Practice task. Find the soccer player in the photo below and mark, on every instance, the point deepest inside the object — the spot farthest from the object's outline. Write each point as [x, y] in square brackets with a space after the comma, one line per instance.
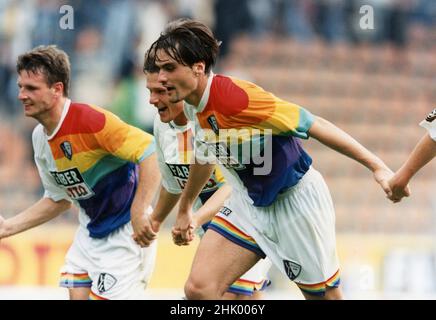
[87, 156]
[280, 206]
[173, 134]
[424, 152]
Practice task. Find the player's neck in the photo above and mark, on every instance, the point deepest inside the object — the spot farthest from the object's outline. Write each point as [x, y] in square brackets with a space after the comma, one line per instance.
[51, 118]
[180, 120]
[195, 97]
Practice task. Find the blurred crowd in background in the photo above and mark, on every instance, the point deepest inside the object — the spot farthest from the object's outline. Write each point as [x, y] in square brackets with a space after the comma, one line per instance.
[301, 38]
[109, 38]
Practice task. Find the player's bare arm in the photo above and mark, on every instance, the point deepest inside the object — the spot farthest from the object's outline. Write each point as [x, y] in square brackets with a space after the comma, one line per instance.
[165, 203]
[198, 176]
[148, 182]
[212, 206]
[422, 154]
[42, 211]
[336, 139]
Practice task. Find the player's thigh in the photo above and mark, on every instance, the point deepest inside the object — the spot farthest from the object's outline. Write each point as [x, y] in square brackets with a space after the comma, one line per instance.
[79, 293]
[219, 261]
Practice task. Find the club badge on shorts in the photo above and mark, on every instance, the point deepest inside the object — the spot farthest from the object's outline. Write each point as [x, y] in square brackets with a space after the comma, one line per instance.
[292, 269]
[105, 282]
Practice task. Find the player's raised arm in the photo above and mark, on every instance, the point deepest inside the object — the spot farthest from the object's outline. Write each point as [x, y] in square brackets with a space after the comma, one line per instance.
[337, 139]
[39, 213]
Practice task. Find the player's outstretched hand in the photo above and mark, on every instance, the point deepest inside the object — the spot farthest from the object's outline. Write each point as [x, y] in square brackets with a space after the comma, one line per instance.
[400, 189]
[143, 232]
[382, 177]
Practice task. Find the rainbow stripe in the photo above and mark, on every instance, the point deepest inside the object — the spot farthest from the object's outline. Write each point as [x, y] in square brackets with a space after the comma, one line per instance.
[96, 134]
[241, 104]
[70, 280]
[230, 232]
[93, 296]
[185, 148]
[246, 287]
[248, 119]
[104, 158]
[318, 289]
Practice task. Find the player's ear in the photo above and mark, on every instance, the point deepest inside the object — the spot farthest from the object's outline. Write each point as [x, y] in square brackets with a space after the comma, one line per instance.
[199, 67]
[58, 89]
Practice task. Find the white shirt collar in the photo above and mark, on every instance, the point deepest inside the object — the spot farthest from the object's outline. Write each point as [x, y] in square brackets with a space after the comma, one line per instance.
[63, 115]
[182, 128]
[205, 98]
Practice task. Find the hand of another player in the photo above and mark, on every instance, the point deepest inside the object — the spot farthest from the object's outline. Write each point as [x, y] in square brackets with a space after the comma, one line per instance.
[183, 230]
[144, 231]
[400, 189]
[176, 234]
[383, 176]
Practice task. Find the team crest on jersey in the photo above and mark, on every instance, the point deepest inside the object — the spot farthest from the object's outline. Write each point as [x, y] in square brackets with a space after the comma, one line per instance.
[431, 116]
[292, 269]
[213, 123]
[67, 149]
[105, 282]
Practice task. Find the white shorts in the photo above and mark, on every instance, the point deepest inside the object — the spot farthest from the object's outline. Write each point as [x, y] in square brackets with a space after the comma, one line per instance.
[114, 267]
[297, 232]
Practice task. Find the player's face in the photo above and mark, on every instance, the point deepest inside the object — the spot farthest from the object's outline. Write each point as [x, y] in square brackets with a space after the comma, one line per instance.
[35, 94]
[179, 80]
[159, 97]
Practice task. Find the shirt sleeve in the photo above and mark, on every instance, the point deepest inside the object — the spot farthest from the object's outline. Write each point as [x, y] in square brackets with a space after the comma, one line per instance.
[278, 116]
[241, 104]
[429, 123]
[125, 141]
